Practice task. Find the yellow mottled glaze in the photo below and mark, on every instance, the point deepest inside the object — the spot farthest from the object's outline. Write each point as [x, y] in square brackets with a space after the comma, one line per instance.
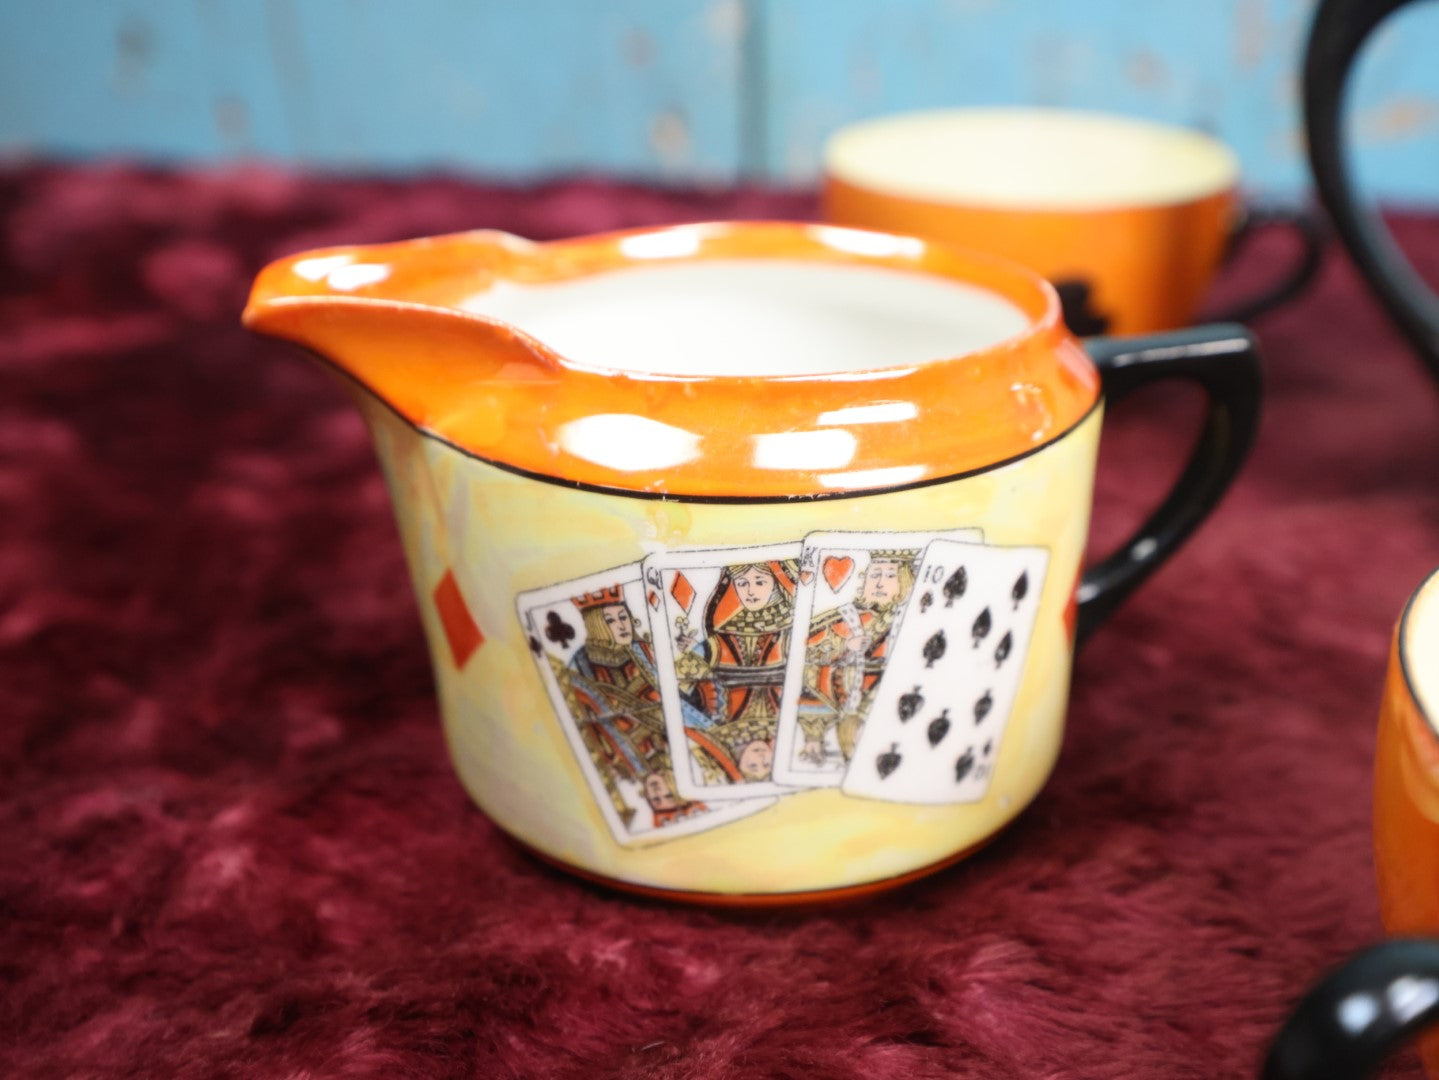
[501, 534]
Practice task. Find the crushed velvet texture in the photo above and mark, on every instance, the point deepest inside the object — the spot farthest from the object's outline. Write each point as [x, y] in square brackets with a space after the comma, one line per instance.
[231, 843]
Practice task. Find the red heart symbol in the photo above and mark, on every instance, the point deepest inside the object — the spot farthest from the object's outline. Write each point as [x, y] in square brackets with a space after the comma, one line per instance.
[806, 576]
[837, 569]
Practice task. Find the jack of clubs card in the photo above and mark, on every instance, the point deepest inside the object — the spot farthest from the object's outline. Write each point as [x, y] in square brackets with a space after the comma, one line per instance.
[590, 638]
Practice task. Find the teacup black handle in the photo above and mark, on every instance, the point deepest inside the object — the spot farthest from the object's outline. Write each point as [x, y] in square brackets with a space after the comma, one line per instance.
[1224, 360]
[1301, 271]
[1339, 29]
[1356, 1015]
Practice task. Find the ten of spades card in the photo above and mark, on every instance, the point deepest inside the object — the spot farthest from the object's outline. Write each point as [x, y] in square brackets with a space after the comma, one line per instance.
[590, 638]
[722, 632]
[853, 590]
[937, 720]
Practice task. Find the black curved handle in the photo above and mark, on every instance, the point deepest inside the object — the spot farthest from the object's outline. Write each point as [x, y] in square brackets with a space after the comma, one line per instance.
[1224, 360]
[1357, 1014]
[1312, 238]
[1339, 29]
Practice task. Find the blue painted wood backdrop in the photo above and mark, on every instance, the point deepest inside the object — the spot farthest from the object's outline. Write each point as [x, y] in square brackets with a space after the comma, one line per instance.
[677, 90]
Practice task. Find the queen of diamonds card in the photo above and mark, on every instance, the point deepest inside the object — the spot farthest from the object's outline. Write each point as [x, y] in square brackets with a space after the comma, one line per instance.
[591, 640]
[728, 614]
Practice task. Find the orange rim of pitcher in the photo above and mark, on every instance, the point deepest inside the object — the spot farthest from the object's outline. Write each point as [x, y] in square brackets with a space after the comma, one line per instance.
[976, 411]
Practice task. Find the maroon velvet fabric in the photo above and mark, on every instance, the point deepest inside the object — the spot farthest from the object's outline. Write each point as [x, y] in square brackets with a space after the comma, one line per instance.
[231, 843]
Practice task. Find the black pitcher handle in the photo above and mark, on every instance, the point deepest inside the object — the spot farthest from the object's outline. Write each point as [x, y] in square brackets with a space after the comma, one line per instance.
[1310, 230]
[1356, 1015]
[1339, 30]
[1224, 360]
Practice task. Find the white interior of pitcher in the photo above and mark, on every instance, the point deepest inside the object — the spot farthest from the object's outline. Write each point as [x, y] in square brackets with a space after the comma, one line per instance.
[1043, 159]
[753, 316]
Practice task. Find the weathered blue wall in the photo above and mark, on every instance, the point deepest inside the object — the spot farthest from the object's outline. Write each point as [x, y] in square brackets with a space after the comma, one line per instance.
[672, 89]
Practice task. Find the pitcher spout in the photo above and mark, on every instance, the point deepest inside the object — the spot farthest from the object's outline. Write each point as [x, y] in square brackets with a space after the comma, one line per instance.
[391, 318]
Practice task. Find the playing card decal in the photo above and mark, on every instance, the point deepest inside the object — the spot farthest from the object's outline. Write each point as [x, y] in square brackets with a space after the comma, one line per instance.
[910, 703]
[980, 630]
[558, 631]
[939, 728]
[982, 707]
[723, 651]
[698, 686]
[1001, 651]
[837, 571]
[945, 761]
[847, 613]
[934, 649]
[682, 591]
[954, 587]
[597, 661]
[963, 766]
[887, 762]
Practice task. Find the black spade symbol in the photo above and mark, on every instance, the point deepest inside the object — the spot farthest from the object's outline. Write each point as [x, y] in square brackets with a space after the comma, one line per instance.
[535, 645]
[909, 704]
[934, 648]
[982, 707]
[1001, 651]
[939, 728]
[987, 747]
[1020, 590]
[963, 765]
[955, 586]
[925, 601]
[980, 630]
[888, 761]
[558, 631]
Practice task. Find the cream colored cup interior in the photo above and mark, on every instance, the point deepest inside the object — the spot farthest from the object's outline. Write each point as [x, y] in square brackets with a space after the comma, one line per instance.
[1043, 159]
[1419, 647]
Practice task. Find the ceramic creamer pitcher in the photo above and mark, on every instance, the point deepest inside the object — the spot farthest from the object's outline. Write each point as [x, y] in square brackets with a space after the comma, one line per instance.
[749, 554]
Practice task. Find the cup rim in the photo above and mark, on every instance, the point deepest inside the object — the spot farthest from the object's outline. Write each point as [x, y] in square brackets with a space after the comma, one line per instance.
[400, 265]
[1222, 175]
[1426, 596]
[696, 242]
[1021, 394]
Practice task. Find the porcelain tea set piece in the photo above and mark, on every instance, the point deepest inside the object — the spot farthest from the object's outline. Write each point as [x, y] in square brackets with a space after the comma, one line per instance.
[1131, 220]
[749, 554]
[1356, 1015]
[1339, 32]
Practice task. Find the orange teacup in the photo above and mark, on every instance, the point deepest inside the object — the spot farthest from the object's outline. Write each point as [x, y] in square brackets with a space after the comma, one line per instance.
[1129, 219]
[1350, 1021]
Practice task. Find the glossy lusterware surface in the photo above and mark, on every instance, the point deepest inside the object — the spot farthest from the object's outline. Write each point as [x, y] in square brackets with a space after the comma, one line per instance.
[509, 398]
[1131, 218]
[664, 564]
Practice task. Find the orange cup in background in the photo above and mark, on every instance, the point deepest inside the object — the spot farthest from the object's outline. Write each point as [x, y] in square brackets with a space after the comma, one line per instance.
[1129, 219]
